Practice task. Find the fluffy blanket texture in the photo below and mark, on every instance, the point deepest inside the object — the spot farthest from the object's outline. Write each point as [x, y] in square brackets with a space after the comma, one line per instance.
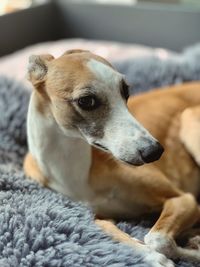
[39, 227]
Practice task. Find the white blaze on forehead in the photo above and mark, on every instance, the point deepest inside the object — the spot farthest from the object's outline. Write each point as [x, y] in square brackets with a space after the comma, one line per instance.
[104, 72]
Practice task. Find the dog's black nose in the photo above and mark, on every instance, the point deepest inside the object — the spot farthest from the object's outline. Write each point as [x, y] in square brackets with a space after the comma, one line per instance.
[152, 152]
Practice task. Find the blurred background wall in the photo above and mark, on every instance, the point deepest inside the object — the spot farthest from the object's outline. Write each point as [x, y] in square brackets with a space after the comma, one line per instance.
[7, 6]
[171, 24]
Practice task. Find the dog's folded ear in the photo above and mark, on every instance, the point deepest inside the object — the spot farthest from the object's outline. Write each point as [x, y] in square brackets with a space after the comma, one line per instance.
[38, 67]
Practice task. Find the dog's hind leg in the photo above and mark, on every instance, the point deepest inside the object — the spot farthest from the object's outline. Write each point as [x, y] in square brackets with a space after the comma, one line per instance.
[180, 210]
[148, 189]
[33, 171]
[190, 131]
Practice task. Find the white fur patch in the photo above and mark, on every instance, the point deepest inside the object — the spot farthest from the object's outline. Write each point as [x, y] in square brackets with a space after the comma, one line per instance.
[152, 257]
[64, 161]
[104, 73]
[161, 243]
[166, 245]
[156, 259]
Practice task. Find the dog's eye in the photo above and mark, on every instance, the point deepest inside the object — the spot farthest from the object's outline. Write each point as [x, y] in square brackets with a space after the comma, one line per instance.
[88, 102]
[125, 90]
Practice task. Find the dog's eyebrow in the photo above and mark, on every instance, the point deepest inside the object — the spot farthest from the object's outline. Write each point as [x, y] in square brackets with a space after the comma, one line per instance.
[81, 93]
[88, 89]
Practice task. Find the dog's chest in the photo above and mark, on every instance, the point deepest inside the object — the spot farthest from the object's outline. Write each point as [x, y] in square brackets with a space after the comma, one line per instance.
[67, 165]
[64, 161]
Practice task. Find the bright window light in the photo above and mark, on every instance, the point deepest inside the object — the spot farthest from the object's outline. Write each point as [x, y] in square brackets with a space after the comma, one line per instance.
[7, 6]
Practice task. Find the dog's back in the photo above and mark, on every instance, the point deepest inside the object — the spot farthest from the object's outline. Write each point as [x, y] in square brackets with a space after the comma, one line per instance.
[160, 112]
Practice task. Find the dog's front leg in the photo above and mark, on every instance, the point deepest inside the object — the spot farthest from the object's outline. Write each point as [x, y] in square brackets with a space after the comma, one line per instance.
[151, 257]
[179, 213]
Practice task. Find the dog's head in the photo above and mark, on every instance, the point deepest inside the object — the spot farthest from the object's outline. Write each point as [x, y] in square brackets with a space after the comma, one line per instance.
[87, 98]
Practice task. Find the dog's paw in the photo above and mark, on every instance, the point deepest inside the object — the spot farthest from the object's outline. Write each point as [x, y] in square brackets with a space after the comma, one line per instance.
[161, 243]
[194, 243]
[156, 259]
[187, 254]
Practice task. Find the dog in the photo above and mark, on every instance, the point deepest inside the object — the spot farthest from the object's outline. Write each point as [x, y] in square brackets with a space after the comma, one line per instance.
[92, 142]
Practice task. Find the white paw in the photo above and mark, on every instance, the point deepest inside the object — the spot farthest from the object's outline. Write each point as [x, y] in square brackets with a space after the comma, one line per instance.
[194, 243]
[156, 259]
[189, 254]
[161, 243]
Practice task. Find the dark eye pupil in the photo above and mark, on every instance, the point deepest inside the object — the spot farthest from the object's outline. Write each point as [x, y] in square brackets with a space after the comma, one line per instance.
[87, 102]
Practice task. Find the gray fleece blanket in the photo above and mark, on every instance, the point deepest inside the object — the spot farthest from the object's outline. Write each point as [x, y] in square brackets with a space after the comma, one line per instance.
[39, 227]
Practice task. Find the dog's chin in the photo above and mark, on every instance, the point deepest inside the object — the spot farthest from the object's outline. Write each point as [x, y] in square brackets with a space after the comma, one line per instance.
[135, 162]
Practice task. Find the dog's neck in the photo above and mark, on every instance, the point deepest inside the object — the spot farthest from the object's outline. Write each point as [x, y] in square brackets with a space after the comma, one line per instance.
[65, 161]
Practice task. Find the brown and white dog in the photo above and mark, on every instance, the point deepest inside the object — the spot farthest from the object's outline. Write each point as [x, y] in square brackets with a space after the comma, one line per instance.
[84, 142]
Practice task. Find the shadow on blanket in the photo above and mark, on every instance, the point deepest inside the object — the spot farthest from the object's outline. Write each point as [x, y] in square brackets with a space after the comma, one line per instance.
[39, 227]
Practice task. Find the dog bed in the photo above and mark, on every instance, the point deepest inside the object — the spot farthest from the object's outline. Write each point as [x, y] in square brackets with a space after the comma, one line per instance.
[14, 65]
[42, 228]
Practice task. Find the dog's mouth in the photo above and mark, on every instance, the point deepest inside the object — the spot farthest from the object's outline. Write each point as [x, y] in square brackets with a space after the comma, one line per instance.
[133, 163]
[101, 146]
